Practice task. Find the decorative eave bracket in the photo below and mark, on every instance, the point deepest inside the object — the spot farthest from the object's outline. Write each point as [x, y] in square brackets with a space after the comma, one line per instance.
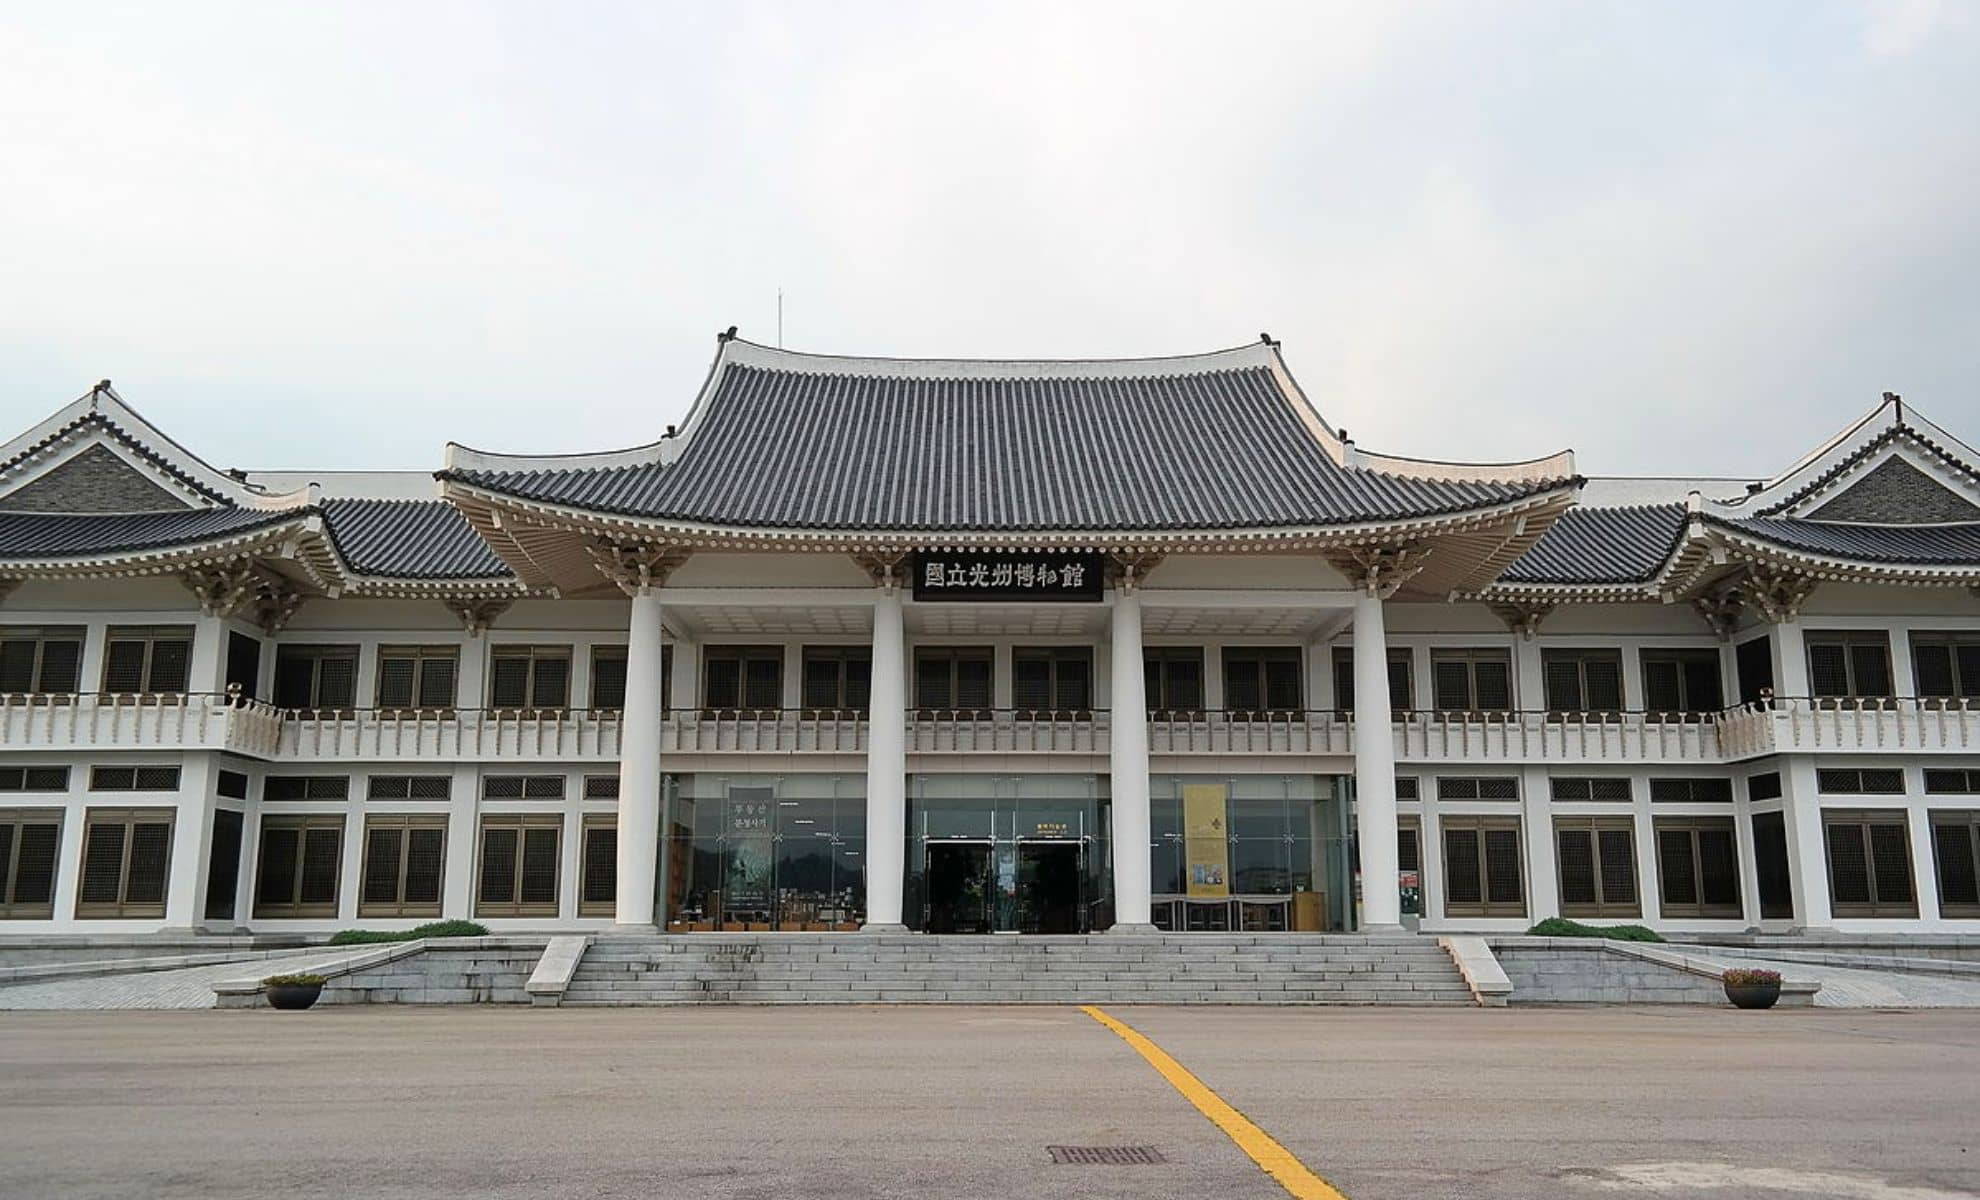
[477, 613]
[1523, 617]
[1778, 594]
[887, 568]
[1721, 610]
[1126, 571]
[636, 567]
[244, 588]
[1381, 571]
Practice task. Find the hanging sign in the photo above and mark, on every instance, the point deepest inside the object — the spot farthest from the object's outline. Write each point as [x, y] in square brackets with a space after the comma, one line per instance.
[1007, 575]
[1206, 840]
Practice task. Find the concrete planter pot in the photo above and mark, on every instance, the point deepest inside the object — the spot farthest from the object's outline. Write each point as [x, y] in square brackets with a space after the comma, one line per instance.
[293, 996]
[1753, 995]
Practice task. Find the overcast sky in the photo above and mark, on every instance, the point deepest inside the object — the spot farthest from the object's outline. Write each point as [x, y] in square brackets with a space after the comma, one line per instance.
[1677, 238]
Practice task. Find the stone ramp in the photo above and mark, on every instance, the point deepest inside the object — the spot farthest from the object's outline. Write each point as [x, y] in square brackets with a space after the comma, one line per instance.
[1096, 969]
[146, 987]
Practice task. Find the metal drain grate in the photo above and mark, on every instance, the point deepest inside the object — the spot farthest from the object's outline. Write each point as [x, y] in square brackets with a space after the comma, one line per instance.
[1105, 1156]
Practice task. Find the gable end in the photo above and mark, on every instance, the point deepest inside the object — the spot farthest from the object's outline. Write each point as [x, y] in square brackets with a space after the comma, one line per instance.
[94, 481]
[1895, 492]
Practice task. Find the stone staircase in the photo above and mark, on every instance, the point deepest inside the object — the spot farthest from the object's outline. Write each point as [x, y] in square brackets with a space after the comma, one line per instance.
[1001, 969]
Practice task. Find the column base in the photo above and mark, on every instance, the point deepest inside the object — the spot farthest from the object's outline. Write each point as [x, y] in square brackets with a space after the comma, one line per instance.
[635, 927]
[881, 927]
[1133, 929]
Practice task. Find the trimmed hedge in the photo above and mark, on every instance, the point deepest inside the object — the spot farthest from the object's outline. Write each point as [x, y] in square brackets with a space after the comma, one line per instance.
[1562, 927]
[437, 929]
[294, 981]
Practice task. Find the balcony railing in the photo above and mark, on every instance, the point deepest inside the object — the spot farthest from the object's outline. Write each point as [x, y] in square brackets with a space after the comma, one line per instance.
[219, 722]
[1851, 725]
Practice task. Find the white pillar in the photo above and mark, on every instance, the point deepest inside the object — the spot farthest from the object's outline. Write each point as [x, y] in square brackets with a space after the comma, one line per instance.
[1374, 768]
[886, 766]
[1790, 660]
[639, 766]
[207, 671]
[1127, 761]
[1808, 851]
[192, 840]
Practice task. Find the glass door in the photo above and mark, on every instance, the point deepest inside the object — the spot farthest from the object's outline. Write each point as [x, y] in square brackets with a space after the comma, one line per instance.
[959, 889]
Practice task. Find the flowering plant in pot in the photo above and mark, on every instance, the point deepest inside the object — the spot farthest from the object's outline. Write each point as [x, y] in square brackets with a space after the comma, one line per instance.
[293, 991]
[1752, 988]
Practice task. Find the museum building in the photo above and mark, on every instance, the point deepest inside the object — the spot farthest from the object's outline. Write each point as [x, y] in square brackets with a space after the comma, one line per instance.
[987, 647]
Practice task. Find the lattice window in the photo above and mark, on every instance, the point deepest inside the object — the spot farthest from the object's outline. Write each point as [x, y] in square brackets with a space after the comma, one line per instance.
[316, 677]
[409, 787]
[1860, 781]
[1691, 791]
[1582, 681]
[1472, 680]
[1698, 865]
[1869, 863]
[299, 865]
[1172, 676]
[1597, 861]
[952, 679]
[126, 860]
[1947, 665]
[147, 660]
[1952, 781]
[46, 660]
[30, 840]
[421, 677]
[1682, 682]
[1849, 663]
[306, 787]
[1469, 787]
[1263, 679]
[522, 787]
[601, 787]
[1765, 786]
[519, 865]
[134, 779]
[1598, 788]
[405, 865]
[525, 677]
[34, 779]
[1483, 873]
[598, 887]
[752, 678]
[1401, 685]
[1050, 679]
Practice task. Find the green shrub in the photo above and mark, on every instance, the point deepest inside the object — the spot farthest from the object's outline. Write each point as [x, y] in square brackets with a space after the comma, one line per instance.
[293, 981]
[1562, 927]
[437, 929]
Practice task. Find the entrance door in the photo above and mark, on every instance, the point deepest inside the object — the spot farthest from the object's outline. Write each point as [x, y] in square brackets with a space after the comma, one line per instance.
[1049, 898]
[959, 892]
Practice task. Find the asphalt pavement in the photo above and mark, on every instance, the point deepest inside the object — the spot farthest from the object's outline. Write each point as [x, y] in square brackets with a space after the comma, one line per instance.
[965, 1102]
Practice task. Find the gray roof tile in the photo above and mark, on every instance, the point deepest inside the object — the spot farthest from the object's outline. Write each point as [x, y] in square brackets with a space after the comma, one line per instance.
[409, 539]
[1602, 545]
[1925, 545]
[70, 535]
[1212, 449]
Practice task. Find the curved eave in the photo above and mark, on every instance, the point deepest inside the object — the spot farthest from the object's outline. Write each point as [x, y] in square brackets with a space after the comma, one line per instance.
[387, 587]
[1744, 545]
[514, 527]
[300, 541]
[1563, 593]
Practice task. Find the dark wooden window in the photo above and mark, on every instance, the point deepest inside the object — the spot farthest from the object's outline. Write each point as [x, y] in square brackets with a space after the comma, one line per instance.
[300, 864]
[1698, 866]
[608, 677]
[1262, 679]
[1603, 788]
[1869, 863]
[409, 787]
[1173, 679]
[1409, 845]
[1401, 684]
[1849, 663]
[1052, 679]
[306, 787]
[126, 859]
[30, 839]
[1764, 786]
[742, 677]
[952, 678]
[1946, 665]
[601, 787]
[522, 787]
[519, 865]
[242, 670]
[1472, 680]
[838, 679]
[418, 676]
[1407, 788]
[1597, 860]
[1477, 787]
[1582, 681]
[223, 866]
[1682, 682]
[1952, 781]
[34, 779]
[1483, 873]
[1956, 855]
[1770, 866]
[529, 677]
[316, 677]
[231, 784]
[146, 660]
[40, 659]
[1860, 781]
[598, 886]
[134, 779]
[1691, 791]
[405, 865]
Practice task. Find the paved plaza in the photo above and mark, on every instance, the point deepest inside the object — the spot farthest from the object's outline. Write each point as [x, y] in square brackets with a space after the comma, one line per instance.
[964, 1102]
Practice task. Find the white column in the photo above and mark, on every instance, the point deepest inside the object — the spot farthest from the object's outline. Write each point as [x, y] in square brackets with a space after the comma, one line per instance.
[464, 798]
[886, 766]
[1808, 852]
[208, 668]
[639, 765]
[1374, 768]
[1543, 883]
[1790, 660]
[192, 838]
[1127, 761]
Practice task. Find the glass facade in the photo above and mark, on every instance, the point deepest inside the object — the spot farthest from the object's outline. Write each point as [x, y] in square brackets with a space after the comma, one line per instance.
[765, 852]
[1250, 853]
[1007, 853]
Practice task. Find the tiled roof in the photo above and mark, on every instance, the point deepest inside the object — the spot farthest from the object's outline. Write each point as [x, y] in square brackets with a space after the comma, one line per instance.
[71, 535]
[409, 539]
[1928, 545]
[1001, 450]
[1602, 545]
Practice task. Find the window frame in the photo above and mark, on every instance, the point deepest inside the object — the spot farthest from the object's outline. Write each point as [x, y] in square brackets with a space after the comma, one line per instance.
[852, 675]
[1679, 659]
[17, 821]
[1849, 641]
[406, 824]
[1699, 908]
[1477, 825]
[742, 654]
[40, 637]
[1579, 658]
[1402, 669]
[1594, 826]
[152, 637]
[129, 819]
[1157, 664]
[594, 822]
[420, 656]
[1968, 821]
[1470, 657]
[954, 657]
[522, 823]
[296, 908]
[1060, 661]
[1259, 661]
[316, 654]
[1865, 820]
[531, 654]
[1952, 641]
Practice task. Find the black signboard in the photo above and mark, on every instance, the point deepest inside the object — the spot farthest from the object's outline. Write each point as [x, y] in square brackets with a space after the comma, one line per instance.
[1007, 575]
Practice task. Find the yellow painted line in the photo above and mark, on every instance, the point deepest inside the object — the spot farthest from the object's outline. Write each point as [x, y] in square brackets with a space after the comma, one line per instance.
[1272, 1158]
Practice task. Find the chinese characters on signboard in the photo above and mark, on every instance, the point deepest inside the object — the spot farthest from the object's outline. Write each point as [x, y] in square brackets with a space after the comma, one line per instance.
[1007, 575]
